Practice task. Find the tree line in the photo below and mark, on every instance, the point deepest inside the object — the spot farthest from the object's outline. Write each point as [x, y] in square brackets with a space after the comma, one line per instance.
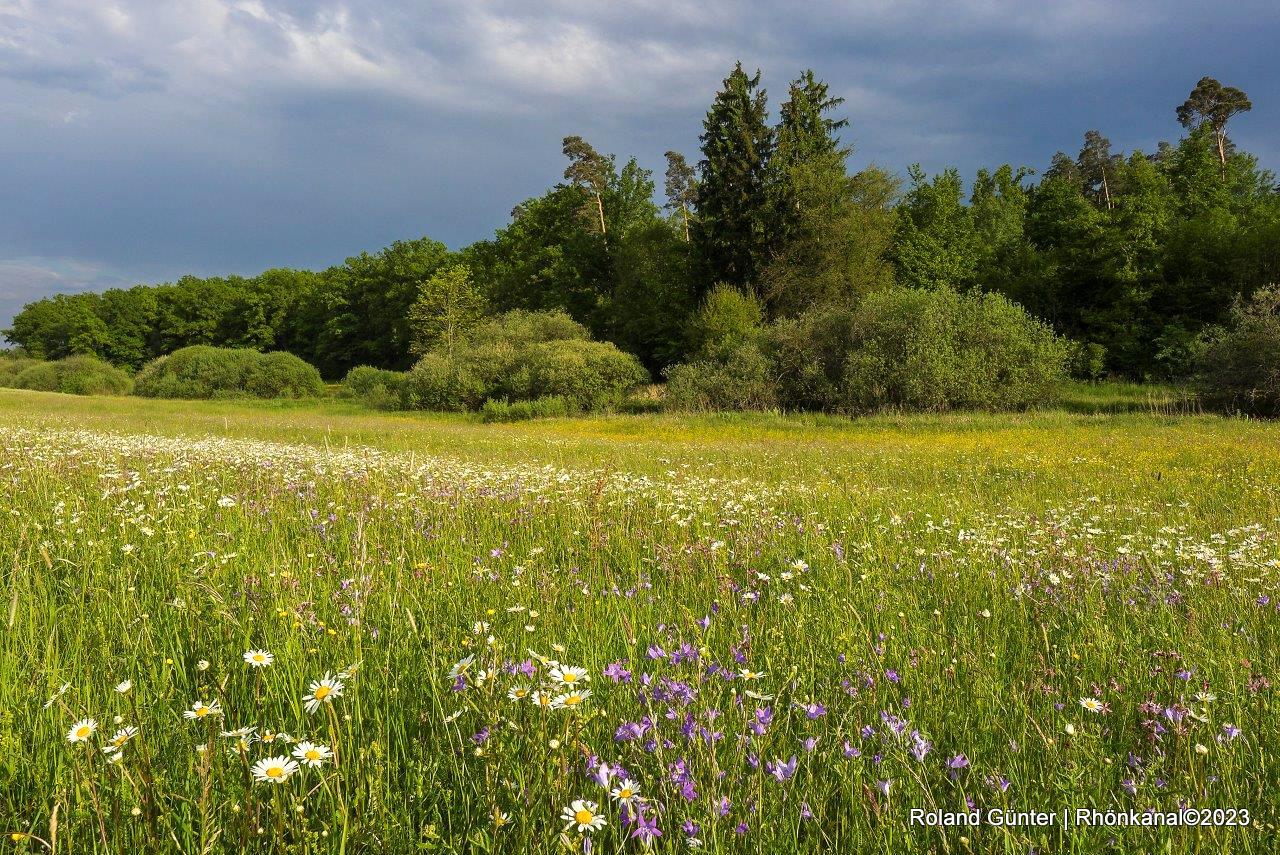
[1134, 255]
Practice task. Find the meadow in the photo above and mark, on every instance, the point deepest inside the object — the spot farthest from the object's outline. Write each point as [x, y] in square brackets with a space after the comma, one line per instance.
[309, 628]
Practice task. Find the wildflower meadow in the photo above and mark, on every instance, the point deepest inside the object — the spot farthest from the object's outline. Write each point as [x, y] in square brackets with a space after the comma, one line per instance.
[303, 628]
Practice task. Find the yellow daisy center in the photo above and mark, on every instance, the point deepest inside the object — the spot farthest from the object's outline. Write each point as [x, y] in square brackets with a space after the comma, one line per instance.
[258, 657]
[83, 731]
[313, 754]
[322, 692]
[583, 817]
[624, 793]
[573, 700]
[569, 678]
[275, 771]
[202, 711]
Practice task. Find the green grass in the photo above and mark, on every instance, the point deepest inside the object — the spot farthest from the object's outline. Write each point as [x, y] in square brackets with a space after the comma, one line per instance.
[972, 575]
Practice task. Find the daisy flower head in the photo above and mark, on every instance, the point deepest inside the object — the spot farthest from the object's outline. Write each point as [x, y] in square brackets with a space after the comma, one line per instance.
[54, 699]
[460, 667]
[518, 693]
[258, 658]
[123, 735]
[583, 815]
[312, 754]
[571, 699]
[82, 730]
[124, 687]
[626, 791]
[322, 691]
[1093, 705]
[273, 770]
[544, 700]
[569, 675]
[202, 709]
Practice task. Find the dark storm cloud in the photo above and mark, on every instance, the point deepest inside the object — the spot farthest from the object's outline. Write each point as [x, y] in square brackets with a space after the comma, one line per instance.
[141, 140]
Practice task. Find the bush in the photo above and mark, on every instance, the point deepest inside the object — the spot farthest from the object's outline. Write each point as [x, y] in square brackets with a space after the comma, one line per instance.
[917, 350]
[376, 387]
[523, 356]
[12, 366]
[73, 375]
[218, 372]
[727, 319]
[738, 379]
[935, 350]
[1087, 360]
[1238, 370]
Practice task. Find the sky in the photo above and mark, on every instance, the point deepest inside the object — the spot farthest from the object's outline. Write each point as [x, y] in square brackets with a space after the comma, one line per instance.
[141, 140]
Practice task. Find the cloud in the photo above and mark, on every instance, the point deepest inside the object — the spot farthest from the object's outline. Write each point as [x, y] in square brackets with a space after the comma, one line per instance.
[217, 136]
[23, 279]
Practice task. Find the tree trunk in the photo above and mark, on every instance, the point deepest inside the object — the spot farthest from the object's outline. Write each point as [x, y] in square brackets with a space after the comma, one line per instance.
[600, 207]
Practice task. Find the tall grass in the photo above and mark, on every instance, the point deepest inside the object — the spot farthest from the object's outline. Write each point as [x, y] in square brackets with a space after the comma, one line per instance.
[913, 609]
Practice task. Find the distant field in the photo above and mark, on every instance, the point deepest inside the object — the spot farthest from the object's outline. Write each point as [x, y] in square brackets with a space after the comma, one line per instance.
[793, 630]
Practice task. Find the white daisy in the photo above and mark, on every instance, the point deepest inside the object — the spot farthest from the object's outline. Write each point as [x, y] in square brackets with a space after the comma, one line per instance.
[123, 735]
[571, 699]
[1093, 705]
[258, 658]
[312, 754]
[274, 770]
[201, 709]
[569, 675]
[323, 691]
[82, 730]
[626, 791]
[583, 815]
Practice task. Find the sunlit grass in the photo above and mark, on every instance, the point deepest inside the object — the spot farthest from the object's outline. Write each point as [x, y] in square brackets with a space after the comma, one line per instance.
[914, 608]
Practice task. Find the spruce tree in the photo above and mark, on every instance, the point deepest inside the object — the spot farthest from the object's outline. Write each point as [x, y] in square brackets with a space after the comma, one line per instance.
[731, 234]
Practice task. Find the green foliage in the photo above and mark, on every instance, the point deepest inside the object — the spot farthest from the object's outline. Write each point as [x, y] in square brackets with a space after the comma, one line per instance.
[201, 371]
[1239, 367]
[71, 375]
[376, 387]
[936, 245]
[738, 377]
[940, 350]
[1087, 360]
[552, 406]
[448, 304]
[11, 365]
[917, 349]
[727, 319]
[1132, 255]
[732, 233]
[523, 356]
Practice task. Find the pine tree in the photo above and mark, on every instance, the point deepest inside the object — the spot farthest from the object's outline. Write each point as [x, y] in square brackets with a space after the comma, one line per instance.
[589, 171]
[731, 233]
[681, 188]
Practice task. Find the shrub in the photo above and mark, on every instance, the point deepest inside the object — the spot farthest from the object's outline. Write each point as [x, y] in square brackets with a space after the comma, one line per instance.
[523, 356]
[376, 387]
[737, 379]
[218, 372]
[12, 366]
[936, 350]
[74, 375]
[1238, 370]
[727, 319]
[916, 349]
[1088, 360]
